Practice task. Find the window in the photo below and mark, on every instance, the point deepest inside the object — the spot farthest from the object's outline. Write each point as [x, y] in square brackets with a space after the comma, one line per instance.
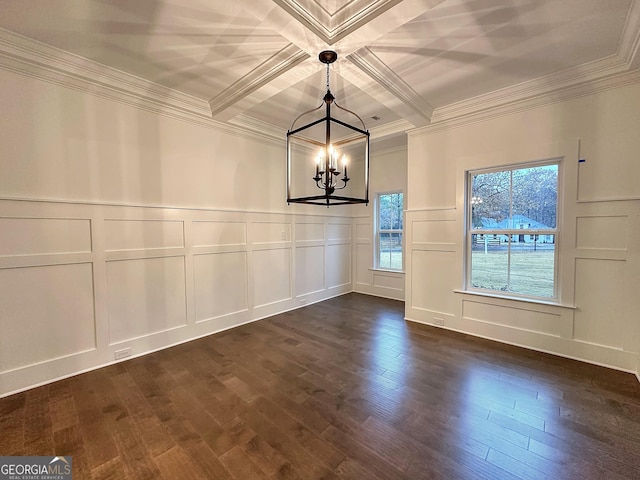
[512, 230]
[389, 231]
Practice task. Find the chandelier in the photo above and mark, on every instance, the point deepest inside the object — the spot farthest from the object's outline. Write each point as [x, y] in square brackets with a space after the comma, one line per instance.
[315, 148]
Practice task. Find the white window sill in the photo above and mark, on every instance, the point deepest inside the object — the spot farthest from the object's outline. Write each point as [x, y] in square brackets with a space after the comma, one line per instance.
[516, 299]
[387, 270]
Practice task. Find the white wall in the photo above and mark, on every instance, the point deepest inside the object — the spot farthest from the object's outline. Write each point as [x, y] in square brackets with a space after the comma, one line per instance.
[599, 247]
[123, 229]
[388, 173]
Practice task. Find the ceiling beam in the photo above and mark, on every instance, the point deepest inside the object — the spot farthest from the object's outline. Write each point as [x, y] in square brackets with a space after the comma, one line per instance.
[274, 67]
[331, 28]
[377, 70]
[629, 45]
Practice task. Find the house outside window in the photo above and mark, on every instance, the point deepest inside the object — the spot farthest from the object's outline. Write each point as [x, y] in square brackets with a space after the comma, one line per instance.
[512, 230]
[389, 211]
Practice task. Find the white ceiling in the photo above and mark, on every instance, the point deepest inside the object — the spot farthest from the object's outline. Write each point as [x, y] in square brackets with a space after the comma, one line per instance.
[254, 62]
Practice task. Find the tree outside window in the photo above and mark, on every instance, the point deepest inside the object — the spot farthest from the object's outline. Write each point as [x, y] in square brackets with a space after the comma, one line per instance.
[512, 230]
[390, 208]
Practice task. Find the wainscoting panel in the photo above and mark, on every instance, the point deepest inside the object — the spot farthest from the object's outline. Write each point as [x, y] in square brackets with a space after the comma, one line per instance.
[338, 265]
[602, 232]
[271, 277]
[309, 270]
[309, 232]
[389, 281]
[363, 263]
[46, 312]
[363, 231]
[220, 281]
[214, 234]
[44, 236]
[339, 231]
[530, 319]
[432, 280]
[123, 235]
[84, 285]
[270, 232]
[145, 296]
[600, 294]
[434, 232]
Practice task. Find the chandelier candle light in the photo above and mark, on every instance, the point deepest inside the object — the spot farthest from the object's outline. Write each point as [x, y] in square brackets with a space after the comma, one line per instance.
[330, 164]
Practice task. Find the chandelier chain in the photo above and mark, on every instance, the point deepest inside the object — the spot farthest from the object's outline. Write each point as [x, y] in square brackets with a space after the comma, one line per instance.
[328, 77]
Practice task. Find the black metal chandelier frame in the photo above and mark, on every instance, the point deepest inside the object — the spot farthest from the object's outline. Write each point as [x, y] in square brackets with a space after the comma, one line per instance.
[327, 177]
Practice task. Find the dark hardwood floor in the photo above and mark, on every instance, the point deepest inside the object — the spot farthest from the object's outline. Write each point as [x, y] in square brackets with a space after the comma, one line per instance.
[340, 389]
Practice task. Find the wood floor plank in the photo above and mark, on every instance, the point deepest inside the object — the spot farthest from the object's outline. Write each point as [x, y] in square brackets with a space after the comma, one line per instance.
[112, 469]
[207, 461]
[362, 454]
[267, 458]
[38, 431]
[96, 410]
[176, 463]
[349, 468]
[69, 442]
[11, 424]
[573, 465]
[240, 465]
[342, 389]
[300, 460]
[233, 433]
[311, 442]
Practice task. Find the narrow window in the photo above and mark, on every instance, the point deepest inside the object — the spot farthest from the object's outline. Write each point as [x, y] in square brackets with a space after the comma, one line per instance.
[512, 230]
[389, 230]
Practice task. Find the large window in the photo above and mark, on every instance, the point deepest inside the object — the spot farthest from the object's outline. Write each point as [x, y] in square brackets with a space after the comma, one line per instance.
[512, 230]
[389, 231]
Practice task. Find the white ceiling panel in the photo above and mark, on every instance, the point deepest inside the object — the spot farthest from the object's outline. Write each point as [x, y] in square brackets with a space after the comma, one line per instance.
[183, 45]
[459, 50]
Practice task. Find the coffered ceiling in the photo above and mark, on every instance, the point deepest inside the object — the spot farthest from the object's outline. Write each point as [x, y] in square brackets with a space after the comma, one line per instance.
[402, 63]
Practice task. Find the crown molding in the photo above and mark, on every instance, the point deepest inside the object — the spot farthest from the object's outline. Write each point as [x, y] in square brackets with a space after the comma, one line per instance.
[391, 128]
[332, 28]
[375, 68]
[256, 126]
[38, 59]
[467, 114]
[553, 84]
[390, 147]
[276, 65]
[610, 72]
[30, 58]
[278, 135]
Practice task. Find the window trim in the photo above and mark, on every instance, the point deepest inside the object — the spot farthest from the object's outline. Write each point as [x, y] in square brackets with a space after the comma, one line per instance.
[469, 232]
[377, 231]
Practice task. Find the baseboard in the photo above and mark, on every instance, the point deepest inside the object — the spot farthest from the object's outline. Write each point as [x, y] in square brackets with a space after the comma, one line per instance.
[557, 353]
